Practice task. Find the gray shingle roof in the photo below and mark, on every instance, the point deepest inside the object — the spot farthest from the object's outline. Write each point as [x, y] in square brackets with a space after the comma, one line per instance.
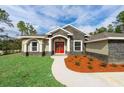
[70, 27]
[105, 35]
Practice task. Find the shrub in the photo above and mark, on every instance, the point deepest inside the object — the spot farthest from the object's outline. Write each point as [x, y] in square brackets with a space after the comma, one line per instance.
[80, 59]
[89, 62]
[103, 64]
[77, 63]
[85, 55]
[90, 67]
[122, 65]
[113, 65]
[75, 56]
[90, 59]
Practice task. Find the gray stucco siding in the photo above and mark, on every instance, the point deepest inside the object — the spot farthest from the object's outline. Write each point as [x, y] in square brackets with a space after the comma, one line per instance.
[77, 35]
[60, 32]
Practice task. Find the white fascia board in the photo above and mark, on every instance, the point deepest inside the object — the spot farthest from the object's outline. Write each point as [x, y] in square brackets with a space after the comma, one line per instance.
[96, 40]
[48, 33]
[21, 37]
[116, 38]
[108, 38]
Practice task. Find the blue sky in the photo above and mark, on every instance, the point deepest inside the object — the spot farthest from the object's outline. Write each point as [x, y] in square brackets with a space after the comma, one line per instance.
[45, 18]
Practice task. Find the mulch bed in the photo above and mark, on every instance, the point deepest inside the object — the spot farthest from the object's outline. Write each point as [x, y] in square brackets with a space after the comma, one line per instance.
[83, 63]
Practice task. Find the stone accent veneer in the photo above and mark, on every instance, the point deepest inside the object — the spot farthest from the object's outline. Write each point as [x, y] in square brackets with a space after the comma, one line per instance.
[116, 51]
[102, 57]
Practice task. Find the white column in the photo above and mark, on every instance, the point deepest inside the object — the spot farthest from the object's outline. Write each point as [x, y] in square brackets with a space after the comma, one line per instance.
[68, 45]
[25, 47]
[40, 46]
[22, 50]
[50, 45]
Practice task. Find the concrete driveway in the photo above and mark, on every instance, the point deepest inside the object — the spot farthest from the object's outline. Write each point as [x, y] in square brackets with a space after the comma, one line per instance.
[75, 79]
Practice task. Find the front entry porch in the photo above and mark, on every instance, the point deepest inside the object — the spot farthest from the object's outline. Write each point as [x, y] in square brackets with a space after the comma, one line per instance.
[59, 45]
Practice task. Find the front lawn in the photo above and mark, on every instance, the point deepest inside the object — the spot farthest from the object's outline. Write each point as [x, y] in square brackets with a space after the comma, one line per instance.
[21, 71]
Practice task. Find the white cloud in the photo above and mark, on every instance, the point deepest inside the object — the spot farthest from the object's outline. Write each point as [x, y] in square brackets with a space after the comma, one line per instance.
[48, 17]
[87, 29]
[106, 22]
[111, 18]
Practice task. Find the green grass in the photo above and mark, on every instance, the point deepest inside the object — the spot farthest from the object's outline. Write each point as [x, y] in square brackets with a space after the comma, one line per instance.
[20, 71]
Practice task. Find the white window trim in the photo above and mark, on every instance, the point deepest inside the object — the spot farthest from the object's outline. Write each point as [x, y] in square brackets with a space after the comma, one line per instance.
[31, 46]
[74, 45]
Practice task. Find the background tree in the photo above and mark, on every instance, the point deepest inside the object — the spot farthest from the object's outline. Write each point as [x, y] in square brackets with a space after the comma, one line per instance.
[22, 27]
[101, 29]
[4, 18]
[26, 28]
[117, 29]
[7, 44]
[91, 33]
[32, 30]
[110, 28]
[120, 17]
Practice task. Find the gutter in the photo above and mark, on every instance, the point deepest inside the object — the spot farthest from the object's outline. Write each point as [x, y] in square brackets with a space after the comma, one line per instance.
[108, 38]
[22, 37]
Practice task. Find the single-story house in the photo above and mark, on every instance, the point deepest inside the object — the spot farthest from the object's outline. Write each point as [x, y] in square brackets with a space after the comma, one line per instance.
[68, 39]
[62, 40]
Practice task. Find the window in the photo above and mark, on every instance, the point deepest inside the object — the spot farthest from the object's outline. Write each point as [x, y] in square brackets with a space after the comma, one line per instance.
[34, 46]
[77, 45]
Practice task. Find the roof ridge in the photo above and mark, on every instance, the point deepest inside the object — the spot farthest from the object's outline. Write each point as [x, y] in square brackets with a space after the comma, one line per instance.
[73, 27]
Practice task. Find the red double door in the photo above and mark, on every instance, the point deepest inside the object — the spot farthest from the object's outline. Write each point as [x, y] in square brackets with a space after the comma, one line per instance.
[59, 47]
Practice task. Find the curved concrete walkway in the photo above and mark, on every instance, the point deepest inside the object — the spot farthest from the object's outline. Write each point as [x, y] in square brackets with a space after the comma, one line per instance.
[75, 79]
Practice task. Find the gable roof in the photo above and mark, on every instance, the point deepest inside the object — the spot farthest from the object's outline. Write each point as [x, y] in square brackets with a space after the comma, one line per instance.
[59, 28]
[71, 26]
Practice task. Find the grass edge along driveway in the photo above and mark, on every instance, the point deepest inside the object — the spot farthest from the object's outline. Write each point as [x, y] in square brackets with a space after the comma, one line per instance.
[32, 71]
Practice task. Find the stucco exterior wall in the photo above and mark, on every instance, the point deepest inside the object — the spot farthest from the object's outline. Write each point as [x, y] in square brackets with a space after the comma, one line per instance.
[26, 46]
[100, 47]
[45, 45]
[23, 45]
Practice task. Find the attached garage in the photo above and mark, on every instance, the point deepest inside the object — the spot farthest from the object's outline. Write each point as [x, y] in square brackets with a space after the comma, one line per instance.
[108, 47]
